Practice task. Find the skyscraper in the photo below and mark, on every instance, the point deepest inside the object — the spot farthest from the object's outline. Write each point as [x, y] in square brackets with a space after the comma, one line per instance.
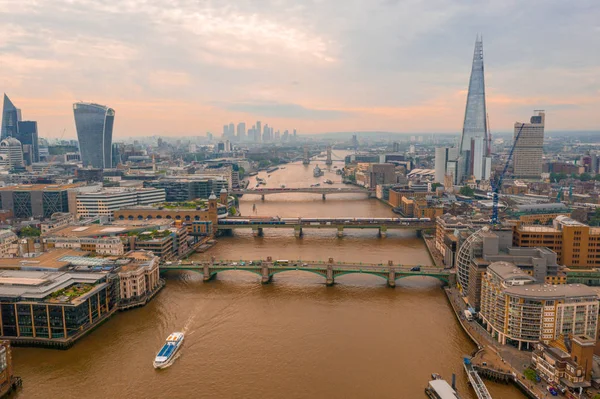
[529, 150]
[11, 115]
[475, 123]
[27, 134]
[241, 131]
[259, 131]
[94, 124]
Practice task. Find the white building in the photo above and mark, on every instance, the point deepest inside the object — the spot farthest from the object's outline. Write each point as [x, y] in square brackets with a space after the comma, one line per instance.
[9, 244]
[12, 150]
[105, 201]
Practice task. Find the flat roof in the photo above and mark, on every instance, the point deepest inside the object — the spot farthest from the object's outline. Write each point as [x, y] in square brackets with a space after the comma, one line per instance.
[36, 285]
[552, 291]
[443, 389]
[39, 187]
[48, 260]
[509, 271]
[98, 230]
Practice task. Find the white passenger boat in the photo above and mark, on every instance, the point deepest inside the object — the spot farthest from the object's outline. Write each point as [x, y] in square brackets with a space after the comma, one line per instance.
[166, 355]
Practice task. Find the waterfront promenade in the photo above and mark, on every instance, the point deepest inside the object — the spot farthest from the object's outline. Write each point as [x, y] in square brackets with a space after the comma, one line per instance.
[491, 358]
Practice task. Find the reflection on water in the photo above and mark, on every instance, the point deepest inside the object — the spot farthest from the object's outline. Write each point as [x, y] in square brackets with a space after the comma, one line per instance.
[294, 338]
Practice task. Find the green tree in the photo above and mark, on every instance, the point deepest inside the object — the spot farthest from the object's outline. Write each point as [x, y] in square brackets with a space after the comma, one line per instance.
[232, 211]
[530, 374]
[263, 163]
[595, 220]
[434, 186]
[467, 191]
[242, 172]
[30, 231]
[585, 177]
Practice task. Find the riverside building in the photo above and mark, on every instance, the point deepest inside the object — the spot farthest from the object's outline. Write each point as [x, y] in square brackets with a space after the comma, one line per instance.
[516, 310]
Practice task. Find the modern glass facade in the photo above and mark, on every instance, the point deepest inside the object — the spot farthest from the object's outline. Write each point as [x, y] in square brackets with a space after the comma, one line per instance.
[28, 136]
[94, 124]
[475, 123]
[11, 115]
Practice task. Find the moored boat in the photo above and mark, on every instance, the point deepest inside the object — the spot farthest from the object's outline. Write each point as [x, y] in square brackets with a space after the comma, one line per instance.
[440, 389]
[166, 355]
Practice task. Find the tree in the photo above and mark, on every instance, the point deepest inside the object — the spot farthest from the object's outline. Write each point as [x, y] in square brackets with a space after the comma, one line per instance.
[263, 163]
[595, 220]
[242, 172]
[232, 211]
[467, 191]
[585, 177]
[30, 231]
[434, 186]
[530, 374]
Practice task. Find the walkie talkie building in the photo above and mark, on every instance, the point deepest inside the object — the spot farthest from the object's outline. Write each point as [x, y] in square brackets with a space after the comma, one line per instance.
[94, 124]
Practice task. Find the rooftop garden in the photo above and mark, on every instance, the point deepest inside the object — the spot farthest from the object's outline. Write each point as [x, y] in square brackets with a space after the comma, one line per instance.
[185, 204]
[69, 293]
[151, 235]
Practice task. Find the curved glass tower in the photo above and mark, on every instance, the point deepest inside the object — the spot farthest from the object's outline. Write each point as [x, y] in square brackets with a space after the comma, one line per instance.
[475, 124]
[469, 250]
[94, 124]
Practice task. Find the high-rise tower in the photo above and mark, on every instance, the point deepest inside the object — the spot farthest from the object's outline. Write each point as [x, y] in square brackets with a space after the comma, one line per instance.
[475, 124]
[94, 124]
[11, 115]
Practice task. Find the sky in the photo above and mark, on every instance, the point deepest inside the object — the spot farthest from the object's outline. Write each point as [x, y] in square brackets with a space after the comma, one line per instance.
[185, 67]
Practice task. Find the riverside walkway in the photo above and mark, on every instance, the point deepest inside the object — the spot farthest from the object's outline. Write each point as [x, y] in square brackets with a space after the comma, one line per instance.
[330, 270]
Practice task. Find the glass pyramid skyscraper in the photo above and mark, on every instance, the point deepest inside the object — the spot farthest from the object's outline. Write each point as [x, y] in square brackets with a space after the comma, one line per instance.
[11, 116]
[475, 124]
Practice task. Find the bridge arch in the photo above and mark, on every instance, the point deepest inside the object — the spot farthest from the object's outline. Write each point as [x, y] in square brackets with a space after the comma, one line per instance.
[214, 272]
[274, 272]
[443, 279]
[382, 275]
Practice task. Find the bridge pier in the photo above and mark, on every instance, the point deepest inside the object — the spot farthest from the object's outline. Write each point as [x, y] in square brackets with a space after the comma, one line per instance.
[392, 278]
[206, 276]
[330, 280]
[340, 231]
[383, 231]
[262, 197]
[324, 197]
[297, 231]
[265, 277]
[257, 231]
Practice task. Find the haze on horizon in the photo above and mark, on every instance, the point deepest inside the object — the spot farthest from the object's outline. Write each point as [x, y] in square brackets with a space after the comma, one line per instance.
[185, 67]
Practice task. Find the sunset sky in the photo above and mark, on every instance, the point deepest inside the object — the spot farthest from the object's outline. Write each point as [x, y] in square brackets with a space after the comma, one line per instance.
[185, 67]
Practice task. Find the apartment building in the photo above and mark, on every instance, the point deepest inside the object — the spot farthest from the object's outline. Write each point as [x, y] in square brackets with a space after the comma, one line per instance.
[518, 311]
[104, 202]
[9, 244]
[139, 279]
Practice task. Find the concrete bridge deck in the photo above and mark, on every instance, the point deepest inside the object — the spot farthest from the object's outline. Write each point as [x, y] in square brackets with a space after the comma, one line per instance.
[328, 270]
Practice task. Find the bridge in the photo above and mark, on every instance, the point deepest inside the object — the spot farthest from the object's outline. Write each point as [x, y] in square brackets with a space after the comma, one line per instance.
[257, 224]
[324, 191]
[330, 270]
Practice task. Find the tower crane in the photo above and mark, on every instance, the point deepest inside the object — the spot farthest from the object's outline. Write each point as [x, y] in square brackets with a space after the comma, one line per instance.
[498, 185]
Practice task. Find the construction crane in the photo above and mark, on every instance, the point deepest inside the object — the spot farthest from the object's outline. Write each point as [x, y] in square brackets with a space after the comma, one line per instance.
[498, 184]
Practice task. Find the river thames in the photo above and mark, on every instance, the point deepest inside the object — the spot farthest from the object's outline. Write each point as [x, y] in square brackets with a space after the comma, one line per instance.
[294, 338]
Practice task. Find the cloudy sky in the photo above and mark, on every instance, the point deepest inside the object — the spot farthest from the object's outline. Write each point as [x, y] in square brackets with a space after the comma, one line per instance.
[184, 67]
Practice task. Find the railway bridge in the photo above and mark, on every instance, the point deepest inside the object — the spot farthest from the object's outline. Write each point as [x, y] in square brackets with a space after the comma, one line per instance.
[330, 270]
[257, 224]
[324, 191]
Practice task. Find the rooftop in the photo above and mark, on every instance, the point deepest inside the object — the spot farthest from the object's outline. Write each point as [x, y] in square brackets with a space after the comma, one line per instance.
[54, 259]
[508, 271]
[97, 230]
[552, 291]
[40, 187]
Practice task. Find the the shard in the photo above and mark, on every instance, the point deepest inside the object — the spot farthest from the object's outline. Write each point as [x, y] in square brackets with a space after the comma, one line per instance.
[11, 116]
[475, 124]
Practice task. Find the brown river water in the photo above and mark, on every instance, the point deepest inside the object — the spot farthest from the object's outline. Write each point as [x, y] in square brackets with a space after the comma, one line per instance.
[293, 338]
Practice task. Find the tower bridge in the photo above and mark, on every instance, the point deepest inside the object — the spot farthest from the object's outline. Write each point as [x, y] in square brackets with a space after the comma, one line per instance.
[330, 270]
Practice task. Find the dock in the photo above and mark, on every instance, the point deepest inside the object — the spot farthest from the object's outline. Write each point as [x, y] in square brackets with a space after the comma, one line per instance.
[475, 380]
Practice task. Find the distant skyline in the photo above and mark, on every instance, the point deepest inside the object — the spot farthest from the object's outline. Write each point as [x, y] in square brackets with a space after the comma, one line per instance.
[181, 68]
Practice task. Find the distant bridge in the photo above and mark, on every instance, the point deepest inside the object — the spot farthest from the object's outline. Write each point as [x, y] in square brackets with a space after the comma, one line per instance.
[328, 270]
[257, 224]
[324, 191]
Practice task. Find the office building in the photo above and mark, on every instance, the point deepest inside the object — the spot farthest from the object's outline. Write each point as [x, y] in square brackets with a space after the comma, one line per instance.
[11, 115]
[475, 122]
[529, 149]
[8, 381]
[445, 157]
[516, 310]
[11, 152]
[94, 124]
[139, 279]
[576, 244]
[188, 188]
[36, 200]
[241, 131]
[54, 308]
[104, 202]
[28, 136]
[9, 244]
[258, 132]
